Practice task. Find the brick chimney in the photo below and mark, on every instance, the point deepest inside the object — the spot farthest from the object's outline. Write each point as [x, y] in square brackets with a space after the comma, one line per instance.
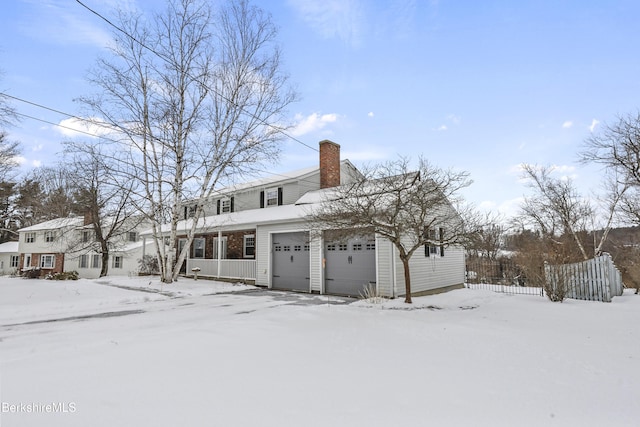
[329, 164]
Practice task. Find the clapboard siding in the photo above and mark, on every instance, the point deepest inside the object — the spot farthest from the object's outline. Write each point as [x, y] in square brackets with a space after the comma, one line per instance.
[433, 272]
[384, 259]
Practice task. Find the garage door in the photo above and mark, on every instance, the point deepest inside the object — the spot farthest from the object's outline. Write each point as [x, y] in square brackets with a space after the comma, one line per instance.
[290, 261]
[350, 266]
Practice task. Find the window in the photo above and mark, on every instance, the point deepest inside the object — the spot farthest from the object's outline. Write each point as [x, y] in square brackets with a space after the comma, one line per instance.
[117, 262]
[371, 246]
[357, 247]
[331, 247]
[198, 247]
[223, 252]
[189, 211]
[49, 236]
[86, 236]
[306, 248]
[286, 248]
[47, 261]
[30, 237]
[96, 261]
[272, 197]
[225, 206]
[278, 248]
[342, 247]
[83, 262]
[433, 236]
[15, 261]
[132, 236]
[249, 245]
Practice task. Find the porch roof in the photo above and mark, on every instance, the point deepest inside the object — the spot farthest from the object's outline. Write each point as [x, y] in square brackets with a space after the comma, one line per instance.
[247, 219]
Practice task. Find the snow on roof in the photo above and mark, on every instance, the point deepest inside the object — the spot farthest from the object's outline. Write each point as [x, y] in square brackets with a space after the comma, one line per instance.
[9, 247]
[249, 218]
[55, 224]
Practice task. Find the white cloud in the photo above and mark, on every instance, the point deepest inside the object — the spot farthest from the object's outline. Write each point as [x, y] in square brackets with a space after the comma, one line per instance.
[54, 21]
[312, 123]
[333, 18]
[36, 163]
[37, 147]
[91, 127]
[370, 114]
[442, 128]
[365, 155]
[594, 123]
[567, 124]
[454, 119]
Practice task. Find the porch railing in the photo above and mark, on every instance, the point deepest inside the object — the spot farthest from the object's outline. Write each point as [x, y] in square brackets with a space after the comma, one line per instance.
[241, 269]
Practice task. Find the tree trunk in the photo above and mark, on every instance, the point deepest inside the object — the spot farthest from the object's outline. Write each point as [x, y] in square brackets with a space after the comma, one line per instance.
[407, 280]
[104, 269]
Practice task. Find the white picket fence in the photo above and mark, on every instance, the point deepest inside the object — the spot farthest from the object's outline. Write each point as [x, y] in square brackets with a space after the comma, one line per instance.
[597, 279]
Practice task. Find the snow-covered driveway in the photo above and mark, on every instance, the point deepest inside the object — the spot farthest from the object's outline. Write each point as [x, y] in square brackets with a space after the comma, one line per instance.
[186, 357]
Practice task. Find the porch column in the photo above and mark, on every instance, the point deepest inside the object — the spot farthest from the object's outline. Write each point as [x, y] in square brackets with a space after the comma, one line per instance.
[219, 251]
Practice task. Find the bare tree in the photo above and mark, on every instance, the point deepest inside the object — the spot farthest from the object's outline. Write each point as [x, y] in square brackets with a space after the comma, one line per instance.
[617, 147]
[196, 95]
[555, 208]
[105, 203]
[410, 208]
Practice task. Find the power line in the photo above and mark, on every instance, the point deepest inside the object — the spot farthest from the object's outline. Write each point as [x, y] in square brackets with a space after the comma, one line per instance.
[159, 55]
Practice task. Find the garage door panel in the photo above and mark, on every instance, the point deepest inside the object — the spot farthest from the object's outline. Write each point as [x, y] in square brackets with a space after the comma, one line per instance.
[350, 266]
[290, 261]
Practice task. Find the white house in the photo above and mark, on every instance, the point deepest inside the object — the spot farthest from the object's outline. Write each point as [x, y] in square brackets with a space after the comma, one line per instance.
[258, 233]
[9, 258]
[65, 244]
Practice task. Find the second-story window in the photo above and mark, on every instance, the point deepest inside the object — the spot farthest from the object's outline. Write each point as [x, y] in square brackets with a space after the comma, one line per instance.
[133, 236]
[272, 197]
[225, 206]
[49, 236]
[86, 236]
[30, 238]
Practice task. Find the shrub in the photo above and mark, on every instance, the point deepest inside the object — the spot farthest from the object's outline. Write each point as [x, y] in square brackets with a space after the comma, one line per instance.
[33, 273]
[371, 294]
[66, 275]
[148, 265]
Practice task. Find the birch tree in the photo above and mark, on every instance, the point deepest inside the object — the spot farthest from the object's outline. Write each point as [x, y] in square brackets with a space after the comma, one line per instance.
[409, 207]
[197, 96]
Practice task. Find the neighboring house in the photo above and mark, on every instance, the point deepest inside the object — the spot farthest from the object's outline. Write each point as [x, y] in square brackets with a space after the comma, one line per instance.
[258, 233]
[9, 258]
[66, 244]
[42, 246]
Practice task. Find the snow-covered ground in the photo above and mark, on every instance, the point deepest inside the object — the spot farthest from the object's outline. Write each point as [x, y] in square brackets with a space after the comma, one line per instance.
[130, 352]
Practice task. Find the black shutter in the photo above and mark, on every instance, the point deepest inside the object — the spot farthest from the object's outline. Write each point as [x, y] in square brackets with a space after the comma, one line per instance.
[279, 196]
[262, 199]
[186, 212]
[426, 245]
[441, 231]
[231, 207]
[218, 207]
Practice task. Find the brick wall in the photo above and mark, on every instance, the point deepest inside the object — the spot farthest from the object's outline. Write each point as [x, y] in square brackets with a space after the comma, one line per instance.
[329, 164]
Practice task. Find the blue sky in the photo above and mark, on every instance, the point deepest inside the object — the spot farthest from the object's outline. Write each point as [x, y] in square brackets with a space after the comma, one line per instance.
[481, 86]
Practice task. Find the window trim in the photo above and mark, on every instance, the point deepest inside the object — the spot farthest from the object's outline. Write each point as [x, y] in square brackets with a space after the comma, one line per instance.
[196, 248]
[14, 261]
[96, 261]
[271, 197]
[30, 237]
[52, 261]
[83, 261]
[117, 261]
[252, 239]
[49, 236]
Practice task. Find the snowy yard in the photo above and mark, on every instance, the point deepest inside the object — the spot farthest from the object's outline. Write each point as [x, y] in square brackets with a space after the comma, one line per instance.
[129, 352]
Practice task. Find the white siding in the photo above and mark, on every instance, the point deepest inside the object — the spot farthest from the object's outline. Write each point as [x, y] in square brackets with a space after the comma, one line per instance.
[433, 272]
[315, 263]
[263, 248]
[384, 266]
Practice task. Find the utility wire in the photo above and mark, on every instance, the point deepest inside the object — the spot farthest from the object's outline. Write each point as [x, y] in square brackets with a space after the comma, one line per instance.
[164, 58]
